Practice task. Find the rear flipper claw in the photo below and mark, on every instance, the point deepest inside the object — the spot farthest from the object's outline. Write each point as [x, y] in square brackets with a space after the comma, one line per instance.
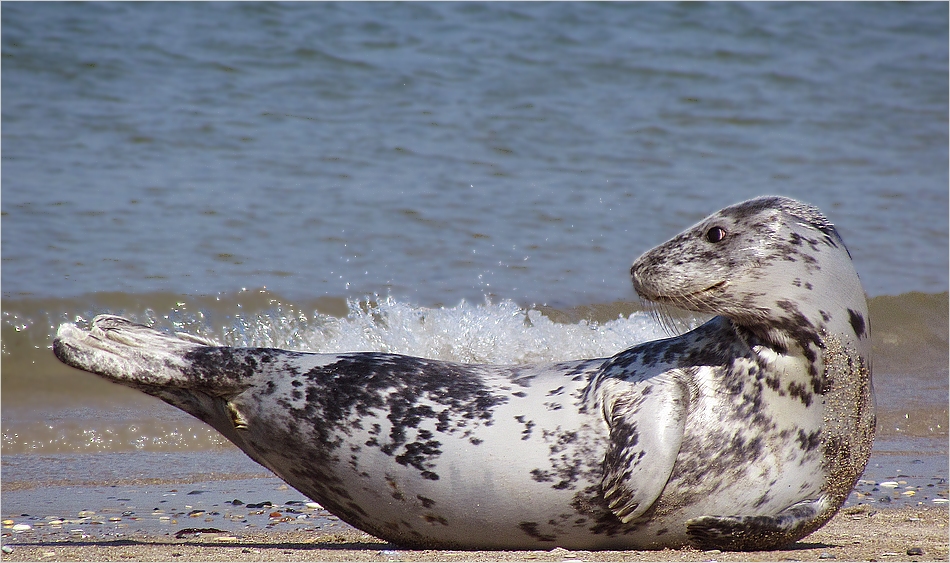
[751, 533]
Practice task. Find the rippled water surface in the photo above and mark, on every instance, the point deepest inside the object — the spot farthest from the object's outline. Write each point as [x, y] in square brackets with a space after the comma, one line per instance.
[445, 151]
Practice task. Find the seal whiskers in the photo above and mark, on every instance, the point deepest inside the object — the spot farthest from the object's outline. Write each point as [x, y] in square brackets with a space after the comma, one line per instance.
[747, 432]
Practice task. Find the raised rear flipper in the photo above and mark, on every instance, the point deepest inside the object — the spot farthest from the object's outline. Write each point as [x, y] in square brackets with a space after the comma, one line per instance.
[125, 352]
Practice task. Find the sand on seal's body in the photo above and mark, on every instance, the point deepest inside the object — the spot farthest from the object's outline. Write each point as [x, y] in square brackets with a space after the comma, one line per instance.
[745, 433]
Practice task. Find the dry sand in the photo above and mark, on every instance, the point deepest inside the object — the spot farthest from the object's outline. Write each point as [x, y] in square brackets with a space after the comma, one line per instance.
[859, 533]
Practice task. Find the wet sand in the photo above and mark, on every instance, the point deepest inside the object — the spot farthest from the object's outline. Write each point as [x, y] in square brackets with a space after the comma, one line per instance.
[901, 503]
[859, 533]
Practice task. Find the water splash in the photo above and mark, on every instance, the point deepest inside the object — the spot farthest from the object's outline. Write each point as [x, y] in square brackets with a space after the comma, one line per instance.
[498, 333]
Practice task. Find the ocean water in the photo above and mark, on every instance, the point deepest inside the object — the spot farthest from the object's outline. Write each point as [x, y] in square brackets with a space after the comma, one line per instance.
[465, 181]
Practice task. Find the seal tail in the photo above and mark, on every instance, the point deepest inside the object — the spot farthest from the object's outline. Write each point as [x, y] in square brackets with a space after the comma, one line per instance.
[130, 354]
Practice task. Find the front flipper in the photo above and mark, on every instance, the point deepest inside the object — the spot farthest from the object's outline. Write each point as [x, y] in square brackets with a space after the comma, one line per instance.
[646, 421]
[748, 533]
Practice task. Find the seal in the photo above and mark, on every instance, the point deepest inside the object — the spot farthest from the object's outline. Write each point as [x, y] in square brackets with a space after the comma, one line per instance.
[746, 433]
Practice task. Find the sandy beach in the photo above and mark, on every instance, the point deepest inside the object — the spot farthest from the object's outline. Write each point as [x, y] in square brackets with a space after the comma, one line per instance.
[899, 507]
[859, 533]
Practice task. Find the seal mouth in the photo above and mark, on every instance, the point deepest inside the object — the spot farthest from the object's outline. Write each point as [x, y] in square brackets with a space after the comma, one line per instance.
[694, 297]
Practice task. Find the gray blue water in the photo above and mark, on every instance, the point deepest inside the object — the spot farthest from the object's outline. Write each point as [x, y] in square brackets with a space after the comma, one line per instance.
[437, 152]
[329, 176]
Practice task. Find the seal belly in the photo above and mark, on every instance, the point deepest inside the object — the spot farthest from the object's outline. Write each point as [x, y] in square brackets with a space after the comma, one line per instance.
[427, 474]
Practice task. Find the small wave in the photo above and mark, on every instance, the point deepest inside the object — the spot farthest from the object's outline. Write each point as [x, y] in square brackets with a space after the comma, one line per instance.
[498, 333]
[50, 408]
[502, 332]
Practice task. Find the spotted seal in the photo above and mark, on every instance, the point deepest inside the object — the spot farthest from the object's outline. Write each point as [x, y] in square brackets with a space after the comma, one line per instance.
[746, 433]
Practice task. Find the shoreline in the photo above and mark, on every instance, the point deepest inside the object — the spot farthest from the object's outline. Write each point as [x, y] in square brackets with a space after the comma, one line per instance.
[115, 507]
[859, 533]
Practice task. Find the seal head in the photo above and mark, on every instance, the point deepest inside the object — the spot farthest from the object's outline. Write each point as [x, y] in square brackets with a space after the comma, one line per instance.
[770, 264]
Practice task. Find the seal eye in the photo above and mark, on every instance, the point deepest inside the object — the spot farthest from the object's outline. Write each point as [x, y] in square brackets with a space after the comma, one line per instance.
[715, 234]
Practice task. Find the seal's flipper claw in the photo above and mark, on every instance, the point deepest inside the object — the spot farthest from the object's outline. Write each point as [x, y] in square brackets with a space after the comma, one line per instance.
[743, 533]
